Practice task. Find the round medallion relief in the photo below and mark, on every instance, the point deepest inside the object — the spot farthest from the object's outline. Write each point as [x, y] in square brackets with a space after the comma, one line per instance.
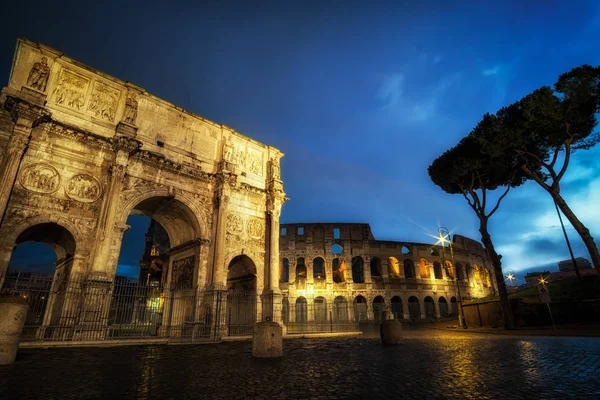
[41, 178]
[255, 228]
[234, 224]
[83, 187]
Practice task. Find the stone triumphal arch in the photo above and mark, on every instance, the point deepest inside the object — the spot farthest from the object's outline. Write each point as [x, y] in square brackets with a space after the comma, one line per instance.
[80, 151]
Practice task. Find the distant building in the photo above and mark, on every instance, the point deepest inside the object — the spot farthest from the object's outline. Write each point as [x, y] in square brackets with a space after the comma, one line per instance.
[567, 265]
[533, 278]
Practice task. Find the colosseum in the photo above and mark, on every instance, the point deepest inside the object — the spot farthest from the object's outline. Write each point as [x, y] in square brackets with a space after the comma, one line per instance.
[328, 267]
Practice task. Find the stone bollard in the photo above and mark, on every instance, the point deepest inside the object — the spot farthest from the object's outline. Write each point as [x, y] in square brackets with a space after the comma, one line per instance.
[267, 340]
[13, 310]
[390, 330]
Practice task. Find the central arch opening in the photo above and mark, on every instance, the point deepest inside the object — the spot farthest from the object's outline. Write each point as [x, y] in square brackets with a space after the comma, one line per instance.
[152, 292]
[241, 296]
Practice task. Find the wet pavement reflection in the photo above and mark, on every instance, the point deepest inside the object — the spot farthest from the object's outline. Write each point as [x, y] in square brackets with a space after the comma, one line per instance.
[430, 364]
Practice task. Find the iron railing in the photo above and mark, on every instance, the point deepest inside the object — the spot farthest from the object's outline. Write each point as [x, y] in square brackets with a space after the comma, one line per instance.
[93, 309]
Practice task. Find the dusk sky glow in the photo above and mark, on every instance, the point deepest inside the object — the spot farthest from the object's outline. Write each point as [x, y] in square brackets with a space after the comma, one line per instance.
[361, 99]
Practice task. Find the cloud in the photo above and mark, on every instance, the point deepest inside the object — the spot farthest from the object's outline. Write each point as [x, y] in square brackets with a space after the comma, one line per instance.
[416, 106]
[491, 71]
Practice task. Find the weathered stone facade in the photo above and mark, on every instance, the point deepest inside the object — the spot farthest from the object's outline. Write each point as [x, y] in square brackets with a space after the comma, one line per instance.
[331, 264]
[80, 151]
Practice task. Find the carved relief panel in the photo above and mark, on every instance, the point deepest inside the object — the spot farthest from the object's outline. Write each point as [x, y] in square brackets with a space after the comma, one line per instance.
[183, 271]
[41, 178]
[83, 187]
[255, 228]
[71, 90]
[235, 225]
[104, 101]
[254, 162]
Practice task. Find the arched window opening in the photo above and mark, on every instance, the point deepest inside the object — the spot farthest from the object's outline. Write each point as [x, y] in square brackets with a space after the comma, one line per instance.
[409, 269]
[300, 269]
[476, 274]
[454, 306]
[394, 267]
[320, 310]
[378, 308]
[414, 308]
[284, 275]
[319, 269]
[397, 310]
[424, 270]
[443, 304]
[468, 272]
[437, 270]
[301, 310]
[429, 307]
[449, 268]
[338, 270]
[460, 273]
[358, 270]
[488, 280]
[434, 252]
[285, 310]
[360, 308]
[375, 267]
[340, 310]
[405, 250]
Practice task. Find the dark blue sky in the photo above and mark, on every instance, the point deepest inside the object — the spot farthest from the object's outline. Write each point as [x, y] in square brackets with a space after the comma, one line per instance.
[360, 98]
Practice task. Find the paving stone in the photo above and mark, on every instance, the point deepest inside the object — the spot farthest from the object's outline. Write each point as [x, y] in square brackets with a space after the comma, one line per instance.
[430, 364]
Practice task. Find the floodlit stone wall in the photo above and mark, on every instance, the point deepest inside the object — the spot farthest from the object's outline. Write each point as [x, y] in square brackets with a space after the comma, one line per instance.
[80, 151]
[413, 280]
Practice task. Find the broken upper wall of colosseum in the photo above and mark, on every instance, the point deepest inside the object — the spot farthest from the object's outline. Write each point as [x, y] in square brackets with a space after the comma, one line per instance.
[324, 232]
[80, 96]
[352, 237]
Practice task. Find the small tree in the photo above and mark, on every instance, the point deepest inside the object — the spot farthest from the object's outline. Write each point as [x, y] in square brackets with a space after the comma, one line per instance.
[546, 123]
[466, 169]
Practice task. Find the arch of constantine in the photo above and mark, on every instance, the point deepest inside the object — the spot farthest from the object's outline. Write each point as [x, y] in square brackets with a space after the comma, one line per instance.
[80, 151]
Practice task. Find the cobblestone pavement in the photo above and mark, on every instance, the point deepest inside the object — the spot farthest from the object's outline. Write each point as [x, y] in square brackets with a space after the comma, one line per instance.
[429, 365]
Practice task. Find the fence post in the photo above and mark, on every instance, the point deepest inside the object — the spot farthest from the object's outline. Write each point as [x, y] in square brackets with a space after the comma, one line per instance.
[13, 311]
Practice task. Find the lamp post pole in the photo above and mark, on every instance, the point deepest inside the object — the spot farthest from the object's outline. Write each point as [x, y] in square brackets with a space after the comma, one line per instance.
[443, 235]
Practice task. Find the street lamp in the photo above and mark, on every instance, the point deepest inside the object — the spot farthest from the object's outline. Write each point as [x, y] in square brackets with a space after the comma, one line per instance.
[443, 239]
[510, 275]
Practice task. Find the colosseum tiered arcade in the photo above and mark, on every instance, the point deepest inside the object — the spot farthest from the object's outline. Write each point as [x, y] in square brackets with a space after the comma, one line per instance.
[325, 265]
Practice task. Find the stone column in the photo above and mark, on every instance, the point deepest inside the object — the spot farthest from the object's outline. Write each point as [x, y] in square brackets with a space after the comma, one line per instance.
[385, 271]
[26, 117]
[221, 202]
[367, 269]
[106, 222]
[422, 309]
[329, 270]
[309, 271]
[348, 271]
[218, 277]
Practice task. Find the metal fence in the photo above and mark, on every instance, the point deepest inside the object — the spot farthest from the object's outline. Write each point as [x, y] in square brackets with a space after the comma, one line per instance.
[91, 309]
[319, 318]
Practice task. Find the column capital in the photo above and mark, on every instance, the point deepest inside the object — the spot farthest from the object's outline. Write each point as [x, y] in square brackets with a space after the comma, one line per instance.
[24, 113]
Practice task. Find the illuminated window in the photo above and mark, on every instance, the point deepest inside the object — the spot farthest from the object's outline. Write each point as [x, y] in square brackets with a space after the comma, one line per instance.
[336, 233]
[283, 231]
[300, 230]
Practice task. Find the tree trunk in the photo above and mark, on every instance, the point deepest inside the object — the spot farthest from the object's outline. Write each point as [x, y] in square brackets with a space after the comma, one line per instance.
[507, 314]
[583, 232]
